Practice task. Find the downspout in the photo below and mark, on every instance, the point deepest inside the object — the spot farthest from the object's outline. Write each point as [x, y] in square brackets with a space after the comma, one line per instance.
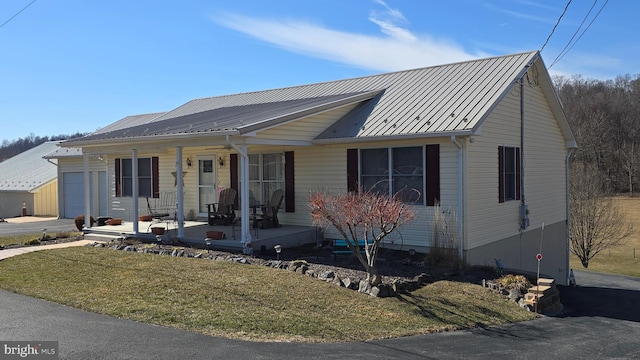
[524, 211]
[460, 195]
[568, 214]
[244, 195]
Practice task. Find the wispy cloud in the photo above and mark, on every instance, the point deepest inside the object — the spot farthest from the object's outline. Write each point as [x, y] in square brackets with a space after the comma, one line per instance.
[396, 48]
[522, 15]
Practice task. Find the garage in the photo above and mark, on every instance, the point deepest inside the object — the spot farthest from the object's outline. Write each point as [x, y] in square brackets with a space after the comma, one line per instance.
[73, 190]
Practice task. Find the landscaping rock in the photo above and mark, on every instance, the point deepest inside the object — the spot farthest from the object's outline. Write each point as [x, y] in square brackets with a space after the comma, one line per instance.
[326, 275]
[130, 248]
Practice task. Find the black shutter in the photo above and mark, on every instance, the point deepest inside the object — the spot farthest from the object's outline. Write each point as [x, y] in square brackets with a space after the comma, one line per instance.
[500, 174]
[352, 170]
[155, 177]
[118, 178]
[433, 174]
[233, 172]
[518, 174]
[289, 183]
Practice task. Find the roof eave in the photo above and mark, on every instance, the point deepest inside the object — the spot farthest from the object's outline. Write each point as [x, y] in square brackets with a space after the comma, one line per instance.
[394, 137]
[149, 139]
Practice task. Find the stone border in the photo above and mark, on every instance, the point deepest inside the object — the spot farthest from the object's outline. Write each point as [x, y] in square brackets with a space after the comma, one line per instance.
[298, 266]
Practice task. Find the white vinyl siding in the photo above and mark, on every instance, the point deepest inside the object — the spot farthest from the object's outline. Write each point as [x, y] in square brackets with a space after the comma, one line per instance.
[544, 172]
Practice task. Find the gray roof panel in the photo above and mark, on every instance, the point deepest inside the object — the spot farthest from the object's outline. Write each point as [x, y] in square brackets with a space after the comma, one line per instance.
[28, 170]
[438, 100]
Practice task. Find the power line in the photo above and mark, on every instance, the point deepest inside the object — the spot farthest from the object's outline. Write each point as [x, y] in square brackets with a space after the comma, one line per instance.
[576, 32]
[563, 53]
[556, 25]
[18, 13]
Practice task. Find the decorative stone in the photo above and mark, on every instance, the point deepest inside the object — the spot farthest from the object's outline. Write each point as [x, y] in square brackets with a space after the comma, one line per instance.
[364, 286]
[326, 275]
[130, 248]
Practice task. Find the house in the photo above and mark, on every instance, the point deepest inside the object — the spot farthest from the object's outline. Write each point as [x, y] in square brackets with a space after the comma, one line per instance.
[70, 172]
[485, 139]
[27, 180]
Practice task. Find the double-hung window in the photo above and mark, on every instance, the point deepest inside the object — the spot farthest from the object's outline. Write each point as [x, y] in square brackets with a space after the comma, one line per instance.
[396, 171]
[266, 174]
[146, 178]
[412, 172]
[508, 173]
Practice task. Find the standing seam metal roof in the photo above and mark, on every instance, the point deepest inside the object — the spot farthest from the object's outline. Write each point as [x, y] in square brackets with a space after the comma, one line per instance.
[28, 170]
[433, 100]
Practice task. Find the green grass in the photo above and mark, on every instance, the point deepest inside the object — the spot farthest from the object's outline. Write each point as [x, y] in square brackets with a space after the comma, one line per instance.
[244, 301]
[21, 239]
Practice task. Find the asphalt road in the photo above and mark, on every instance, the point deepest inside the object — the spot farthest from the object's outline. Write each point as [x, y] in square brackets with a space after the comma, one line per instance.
[17, 226]
[601, 321]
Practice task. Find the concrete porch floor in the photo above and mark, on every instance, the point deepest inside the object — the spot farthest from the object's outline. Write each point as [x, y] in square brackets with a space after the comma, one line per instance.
[287, 236]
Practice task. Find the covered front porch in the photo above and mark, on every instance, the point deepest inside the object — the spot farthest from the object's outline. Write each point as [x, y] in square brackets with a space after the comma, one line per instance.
[195, 233]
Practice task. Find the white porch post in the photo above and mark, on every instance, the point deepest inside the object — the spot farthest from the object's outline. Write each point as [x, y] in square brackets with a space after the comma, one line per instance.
[244, 191]
[87, 190]
[134, 189]
[180, 192]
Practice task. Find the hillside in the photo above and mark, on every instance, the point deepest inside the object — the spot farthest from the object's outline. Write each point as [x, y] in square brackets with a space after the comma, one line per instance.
[9, 149]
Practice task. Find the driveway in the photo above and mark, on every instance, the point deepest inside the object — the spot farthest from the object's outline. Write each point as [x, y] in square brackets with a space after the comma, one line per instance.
[601, 321]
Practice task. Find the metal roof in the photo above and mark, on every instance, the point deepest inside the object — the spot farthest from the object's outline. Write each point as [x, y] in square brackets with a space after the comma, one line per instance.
[237, 119]
[28, 170]
[432, 101]
[129, 121]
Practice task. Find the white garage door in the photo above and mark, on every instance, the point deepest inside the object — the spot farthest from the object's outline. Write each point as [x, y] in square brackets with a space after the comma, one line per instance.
[73, 190]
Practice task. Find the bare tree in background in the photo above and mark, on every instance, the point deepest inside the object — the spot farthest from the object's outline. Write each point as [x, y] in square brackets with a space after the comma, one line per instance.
[596, 222]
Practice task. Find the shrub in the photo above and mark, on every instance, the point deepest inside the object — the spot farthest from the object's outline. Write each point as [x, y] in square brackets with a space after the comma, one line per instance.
[32, 242]
[79, 220]
[518, 282]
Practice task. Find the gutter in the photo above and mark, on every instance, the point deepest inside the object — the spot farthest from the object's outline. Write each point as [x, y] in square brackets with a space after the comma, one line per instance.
[393, 137]
[460, 194]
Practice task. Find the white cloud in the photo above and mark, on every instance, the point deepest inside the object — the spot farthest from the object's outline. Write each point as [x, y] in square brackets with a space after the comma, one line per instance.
[396, 49]
[390, 22]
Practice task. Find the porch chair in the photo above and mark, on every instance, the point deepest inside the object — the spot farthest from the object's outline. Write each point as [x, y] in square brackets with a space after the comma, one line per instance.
[269, 216]
[164, 206]
[223, 212]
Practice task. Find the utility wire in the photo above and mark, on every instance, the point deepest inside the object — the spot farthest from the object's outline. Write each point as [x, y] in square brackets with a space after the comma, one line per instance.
[576, 32]
[556, 25]
[18, 13]
[562, 54]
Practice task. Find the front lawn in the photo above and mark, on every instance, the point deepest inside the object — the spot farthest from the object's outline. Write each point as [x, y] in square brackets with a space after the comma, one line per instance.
[244, 301]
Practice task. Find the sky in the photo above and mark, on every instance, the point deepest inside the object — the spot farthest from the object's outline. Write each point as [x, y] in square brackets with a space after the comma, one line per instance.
[70, 66]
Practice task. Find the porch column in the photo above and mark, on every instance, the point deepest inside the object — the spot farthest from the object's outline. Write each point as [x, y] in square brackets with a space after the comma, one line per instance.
[180, 192]
[87, 190]
[134, 189]
[244, 194]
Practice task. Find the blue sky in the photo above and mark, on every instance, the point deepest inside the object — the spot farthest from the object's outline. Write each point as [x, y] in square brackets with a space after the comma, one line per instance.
[77, 65]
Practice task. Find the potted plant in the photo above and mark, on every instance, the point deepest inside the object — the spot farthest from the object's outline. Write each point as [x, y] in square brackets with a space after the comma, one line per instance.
[157, 230]
[145, 217]
[215, 235]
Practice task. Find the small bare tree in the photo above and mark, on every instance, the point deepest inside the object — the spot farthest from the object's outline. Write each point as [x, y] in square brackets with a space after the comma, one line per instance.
[596, 222]
[361, 215]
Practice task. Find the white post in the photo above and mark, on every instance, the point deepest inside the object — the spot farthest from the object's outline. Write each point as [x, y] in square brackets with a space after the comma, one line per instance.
[87, 190]
[180, 192]
[244, 191]
[134, 189]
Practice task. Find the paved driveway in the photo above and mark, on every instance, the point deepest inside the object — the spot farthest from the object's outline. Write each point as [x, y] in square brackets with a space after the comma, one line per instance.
[601, 321]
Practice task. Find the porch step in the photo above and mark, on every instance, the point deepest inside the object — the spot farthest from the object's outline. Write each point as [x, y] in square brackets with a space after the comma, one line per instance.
[544, 297]
[100, 237]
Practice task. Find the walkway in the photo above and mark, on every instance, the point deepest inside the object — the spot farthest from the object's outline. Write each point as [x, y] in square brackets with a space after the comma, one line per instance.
[7, 253]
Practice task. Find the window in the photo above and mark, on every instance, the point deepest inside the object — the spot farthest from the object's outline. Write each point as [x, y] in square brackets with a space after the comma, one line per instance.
[508, 173]
[147, 177]
[399, 171]
[266, 174]
[254, 169]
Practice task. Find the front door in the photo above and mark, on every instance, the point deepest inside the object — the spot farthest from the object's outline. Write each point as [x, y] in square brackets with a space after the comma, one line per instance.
[206, 183]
